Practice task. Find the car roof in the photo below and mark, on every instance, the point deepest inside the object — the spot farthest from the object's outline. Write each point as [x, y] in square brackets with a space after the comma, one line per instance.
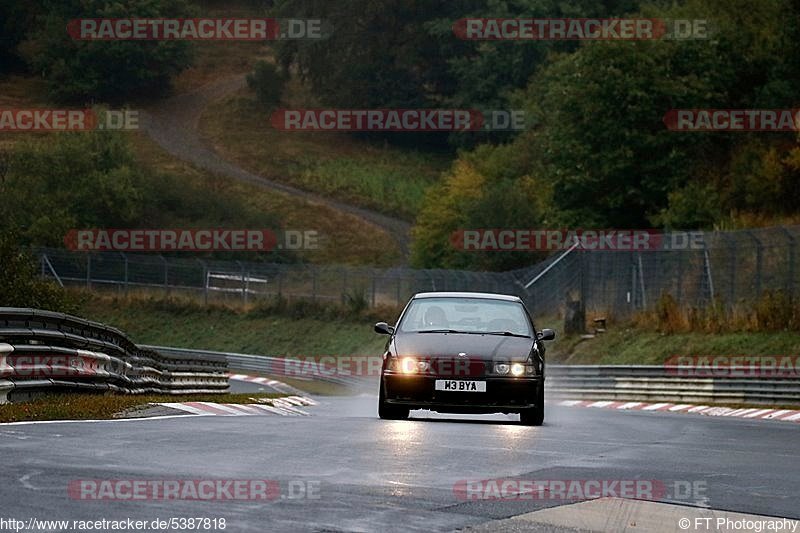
[484, 295]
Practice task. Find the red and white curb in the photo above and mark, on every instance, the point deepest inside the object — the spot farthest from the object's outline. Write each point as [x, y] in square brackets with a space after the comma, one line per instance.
[274, 384]
[287, 406]
[786, 415]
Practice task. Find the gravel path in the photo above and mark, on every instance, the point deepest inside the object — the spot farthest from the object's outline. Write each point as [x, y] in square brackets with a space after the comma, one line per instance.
[173, 124]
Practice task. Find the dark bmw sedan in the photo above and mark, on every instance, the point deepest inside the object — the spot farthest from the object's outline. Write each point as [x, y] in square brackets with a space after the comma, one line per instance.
[463, 352]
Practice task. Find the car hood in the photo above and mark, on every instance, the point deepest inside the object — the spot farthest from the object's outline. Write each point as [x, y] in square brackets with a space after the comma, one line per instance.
[475, 346]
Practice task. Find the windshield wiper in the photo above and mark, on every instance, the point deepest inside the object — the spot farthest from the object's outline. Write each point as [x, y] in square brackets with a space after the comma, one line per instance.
[442, 331]
[507, 334]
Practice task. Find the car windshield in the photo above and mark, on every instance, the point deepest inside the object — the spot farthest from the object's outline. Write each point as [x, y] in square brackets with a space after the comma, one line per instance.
[466, 315]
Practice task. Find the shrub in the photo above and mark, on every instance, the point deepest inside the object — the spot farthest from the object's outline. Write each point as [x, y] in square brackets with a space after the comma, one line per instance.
[267, 81]
[20, 284]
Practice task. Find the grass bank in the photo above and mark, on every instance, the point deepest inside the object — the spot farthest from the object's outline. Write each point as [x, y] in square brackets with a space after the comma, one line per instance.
[104, 407]
[294, 329]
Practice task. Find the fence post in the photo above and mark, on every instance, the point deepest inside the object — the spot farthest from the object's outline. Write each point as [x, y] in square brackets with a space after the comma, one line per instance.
[313, 283]
[244, 282]
[344, 284]
[733, 249]
[125, 258]
[166, 274]
[790, 282]
[679, 280]
[759, 261]
[205, 280]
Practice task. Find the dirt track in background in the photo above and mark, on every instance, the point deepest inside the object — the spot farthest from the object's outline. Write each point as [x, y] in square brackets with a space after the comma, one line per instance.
[174, 125]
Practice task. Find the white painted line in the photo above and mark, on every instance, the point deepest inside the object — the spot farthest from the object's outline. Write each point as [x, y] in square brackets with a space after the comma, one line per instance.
[600, 404]
[630, 405]
[570, 403]
[697, 408]
[680, 407]
[792, 417]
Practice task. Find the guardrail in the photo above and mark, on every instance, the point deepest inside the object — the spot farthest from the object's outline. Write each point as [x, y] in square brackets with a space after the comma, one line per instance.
[43, 351]
[652, 383]
[259, 364]
[647, 383]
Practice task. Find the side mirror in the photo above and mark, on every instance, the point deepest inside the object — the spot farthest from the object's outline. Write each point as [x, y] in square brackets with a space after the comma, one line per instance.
[383, 328]
[544, 335]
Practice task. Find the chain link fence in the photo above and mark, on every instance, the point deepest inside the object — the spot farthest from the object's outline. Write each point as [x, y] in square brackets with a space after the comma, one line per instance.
[729, 267]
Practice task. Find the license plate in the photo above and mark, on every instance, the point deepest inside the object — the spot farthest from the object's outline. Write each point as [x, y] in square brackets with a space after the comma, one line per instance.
[460, 385]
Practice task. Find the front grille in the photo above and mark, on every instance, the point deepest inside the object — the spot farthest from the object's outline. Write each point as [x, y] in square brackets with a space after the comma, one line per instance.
[458, 367]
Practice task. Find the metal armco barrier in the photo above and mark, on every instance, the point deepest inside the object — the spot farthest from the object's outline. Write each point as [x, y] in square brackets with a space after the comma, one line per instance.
[644, 383]
[259, 364]
[653, 383]
[43, 351]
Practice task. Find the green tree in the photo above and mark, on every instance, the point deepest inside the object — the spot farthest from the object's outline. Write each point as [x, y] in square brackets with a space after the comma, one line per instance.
[106, 71]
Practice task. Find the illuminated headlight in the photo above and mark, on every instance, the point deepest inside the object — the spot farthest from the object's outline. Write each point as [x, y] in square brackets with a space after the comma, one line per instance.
[410, 365]
[501, 368]
[517, 369]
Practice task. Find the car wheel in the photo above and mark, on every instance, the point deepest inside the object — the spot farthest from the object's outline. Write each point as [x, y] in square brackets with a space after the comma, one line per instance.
[390, 412]
[535, 415]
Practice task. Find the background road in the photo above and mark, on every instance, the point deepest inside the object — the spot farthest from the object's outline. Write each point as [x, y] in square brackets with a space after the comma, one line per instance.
[392, 475]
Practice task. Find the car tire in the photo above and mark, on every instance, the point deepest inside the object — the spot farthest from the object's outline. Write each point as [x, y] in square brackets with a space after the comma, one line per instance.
[534, 416]
[390, 412]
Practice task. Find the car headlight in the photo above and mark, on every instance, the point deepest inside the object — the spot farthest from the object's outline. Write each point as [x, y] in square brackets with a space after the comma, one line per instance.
[501, 368]
[517, 369]
[408, 365]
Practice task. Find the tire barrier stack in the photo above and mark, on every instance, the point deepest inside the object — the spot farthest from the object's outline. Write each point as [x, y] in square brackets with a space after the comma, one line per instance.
[43, 352]
[653, 383]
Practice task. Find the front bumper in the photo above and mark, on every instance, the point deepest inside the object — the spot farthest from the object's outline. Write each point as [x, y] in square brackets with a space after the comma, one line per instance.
[503, 394]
